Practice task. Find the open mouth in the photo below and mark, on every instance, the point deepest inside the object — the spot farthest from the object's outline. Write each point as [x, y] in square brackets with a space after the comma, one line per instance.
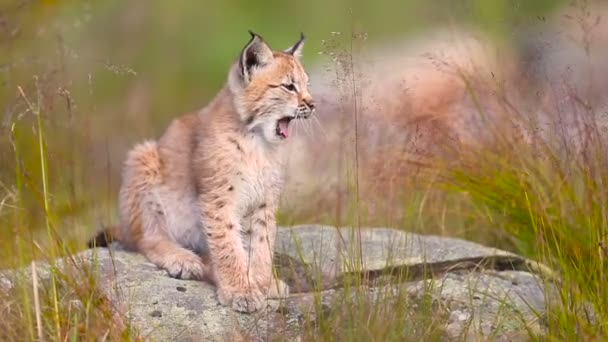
[282, 129]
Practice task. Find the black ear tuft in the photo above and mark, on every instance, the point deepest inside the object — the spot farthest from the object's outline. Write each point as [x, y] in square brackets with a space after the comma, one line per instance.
[296, 49]
[255, 55]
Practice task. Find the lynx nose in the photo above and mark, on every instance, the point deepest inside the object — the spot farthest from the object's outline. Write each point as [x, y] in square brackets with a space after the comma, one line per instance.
[310, 104]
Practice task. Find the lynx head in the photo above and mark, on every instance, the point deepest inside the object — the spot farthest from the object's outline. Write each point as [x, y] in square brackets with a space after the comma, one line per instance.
[270, 88]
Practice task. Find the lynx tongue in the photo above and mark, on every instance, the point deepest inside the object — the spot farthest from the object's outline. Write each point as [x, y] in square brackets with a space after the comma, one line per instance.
[283, 127]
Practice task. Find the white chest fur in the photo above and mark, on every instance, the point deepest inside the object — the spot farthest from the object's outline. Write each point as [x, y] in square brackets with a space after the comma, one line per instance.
[259, 178]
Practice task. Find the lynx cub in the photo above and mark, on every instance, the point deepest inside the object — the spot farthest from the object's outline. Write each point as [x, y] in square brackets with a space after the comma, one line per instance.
[200, 202]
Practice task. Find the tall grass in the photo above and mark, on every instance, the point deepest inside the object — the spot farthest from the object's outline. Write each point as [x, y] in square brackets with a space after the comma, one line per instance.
[556, 211]
[539, 182]
[549, 193]
[38, 299]
[35, 109]
[45, 301]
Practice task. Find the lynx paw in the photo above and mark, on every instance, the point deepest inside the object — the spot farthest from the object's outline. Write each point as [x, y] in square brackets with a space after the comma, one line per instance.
[278, 289]
[185, 266]
[249, 301]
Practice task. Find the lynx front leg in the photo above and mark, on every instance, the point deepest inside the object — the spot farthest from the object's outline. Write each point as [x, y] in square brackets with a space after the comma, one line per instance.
[228, 257]
[263, 233]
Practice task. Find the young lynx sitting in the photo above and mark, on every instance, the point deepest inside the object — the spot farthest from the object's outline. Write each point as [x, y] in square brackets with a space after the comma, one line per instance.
[200, 202]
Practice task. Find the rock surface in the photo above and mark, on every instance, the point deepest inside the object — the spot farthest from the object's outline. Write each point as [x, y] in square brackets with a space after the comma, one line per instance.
[474, 291]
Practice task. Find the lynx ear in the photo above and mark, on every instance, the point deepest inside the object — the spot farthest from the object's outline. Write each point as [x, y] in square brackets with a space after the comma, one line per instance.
[296, 49]
[255, 55]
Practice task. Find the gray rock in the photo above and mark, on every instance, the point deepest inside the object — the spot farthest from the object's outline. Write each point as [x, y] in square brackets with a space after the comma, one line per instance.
[472, 290]
[333, 252]
[5, 283]
[488, 303]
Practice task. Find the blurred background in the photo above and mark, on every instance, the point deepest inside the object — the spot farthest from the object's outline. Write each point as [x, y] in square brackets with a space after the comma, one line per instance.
[103, 75]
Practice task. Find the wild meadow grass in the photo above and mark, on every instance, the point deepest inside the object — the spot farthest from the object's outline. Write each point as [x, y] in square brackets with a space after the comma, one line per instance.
[63, 303]
[546, 199]
[544, 196]
[555, 211]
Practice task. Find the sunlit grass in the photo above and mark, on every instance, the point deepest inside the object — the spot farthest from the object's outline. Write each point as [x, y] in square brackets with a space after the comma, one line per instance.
[555, 210]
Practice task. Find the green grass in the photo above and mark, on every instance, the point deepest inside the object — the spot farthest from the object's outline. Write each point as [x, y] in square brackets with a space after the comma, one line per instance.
[555, 210]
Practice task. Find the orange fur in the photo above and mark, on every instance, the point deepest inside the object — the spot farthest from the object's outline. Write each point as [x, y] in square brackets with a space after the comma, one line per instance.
[210, 186]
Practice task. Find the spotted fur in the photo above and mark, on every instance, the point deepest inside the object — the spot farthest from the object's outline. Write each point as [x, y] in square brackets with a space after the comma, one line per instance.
[201, 201]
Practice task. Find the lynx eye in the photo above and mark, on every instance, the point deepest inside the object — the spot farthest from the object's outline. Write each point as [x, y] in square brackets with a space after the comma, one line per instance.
[289, 86]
